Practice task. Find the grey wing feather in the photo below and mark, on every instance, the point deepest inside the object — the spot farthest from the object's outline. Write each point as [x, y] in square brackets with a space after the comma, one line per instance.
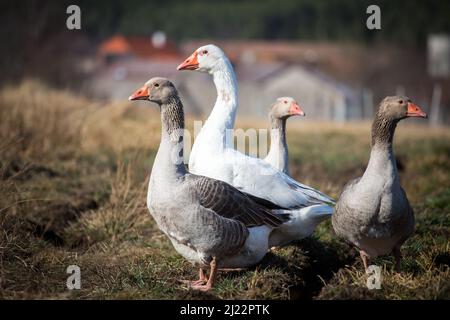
[225, 236]
[342, 219]
[229, 202]
[314, 196]
[265, 203]
[405, 225]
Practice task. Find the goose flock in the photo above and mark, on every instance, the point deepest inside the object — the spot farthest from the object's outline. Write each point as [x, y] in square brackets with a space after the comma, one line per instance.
[229, 209]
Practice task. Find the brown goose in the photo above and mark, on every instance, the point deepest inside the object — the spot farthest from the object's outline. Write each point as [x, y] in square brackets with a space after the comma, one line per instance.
[282, 109]
[209, 222]
[373, 212]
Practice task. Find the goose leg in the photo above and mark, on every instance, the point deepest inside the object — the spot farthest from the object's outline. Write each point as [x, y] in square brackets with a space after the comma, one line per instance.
[211, 280]
[365, 259]
[201, 279]
[398, 258]
[201, 276]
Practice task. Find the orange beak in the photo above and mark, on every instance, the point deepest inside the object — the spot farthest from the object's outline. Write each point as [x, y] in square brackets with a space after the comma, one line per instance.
[140, 94]
[415, 111]
[296, 110]
[191, 63]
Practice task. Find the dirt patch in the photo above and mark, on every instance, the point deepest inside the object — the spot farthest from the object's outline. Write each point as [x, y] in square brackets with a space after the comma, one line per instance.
[309, 264]
[322, 262]
[50, 222]
[442, 259]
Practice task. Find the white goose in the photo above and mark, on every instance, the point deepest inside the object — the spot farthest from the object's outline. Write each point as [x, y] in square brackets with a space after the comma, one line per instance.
[281, 110]
[213, 155]
[209, 222]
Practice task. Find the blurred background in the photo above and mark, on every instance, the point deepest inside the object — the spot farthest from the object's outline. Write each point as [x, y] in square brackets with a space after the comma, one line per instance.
[75, 154]
[320, 52]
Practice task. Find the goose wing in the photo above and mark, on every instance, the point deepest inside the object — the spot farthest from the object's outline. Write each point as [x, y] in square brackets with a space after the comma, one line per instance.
[229, 202]
[259, 178]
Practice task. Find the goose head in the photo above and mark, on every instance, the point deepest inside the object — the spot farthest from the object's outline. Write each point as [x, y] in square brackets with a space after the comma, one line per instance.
[207, 59]
[396, 108]
[158, 90]
[286, 107]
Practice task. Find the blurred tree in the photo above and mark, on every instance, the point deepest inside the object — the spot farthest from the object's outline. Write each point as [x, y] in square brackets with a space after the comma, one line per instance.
[35, 38]
[402, 20]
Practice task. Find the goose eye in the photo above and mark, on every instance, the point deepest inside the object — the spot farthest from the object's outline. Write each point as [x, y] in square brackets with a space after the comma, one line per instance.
[400, 101]
[156, 85]
[205, 52]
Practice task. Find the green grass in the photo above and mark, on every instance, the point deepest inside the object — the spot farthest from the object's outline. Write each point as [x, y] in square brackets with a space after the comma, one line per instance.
[75, 194]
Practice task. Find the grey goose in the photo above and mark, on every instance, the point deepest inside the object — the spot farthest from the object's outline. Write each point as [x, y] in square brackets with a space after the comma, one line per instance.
[373, 213]
[209, 222]
[282, 109]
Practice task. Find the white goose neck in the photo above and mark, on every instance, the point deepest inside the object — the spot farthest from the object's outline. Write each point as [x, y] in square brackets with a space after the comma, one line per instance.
[278, 130]
[278, 147]
[224, 112]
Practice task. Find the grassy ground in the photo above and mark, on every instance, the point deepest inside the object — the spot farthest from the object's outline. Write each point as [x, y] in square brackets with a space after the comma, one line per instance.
[73, 180]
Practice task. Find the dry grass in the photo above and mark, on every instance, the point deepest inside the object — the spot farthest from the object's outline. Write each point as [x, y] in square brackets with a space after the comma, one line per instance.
[122, 218]
[73, 180]
[36, 120]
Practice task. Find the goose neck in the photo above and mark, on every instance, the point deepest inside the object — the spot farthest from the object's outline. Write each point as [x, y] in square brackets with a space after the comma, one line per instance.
[172, 119]
[383, 130]
[382, 160]
[278, 130]
[224, 112]
[278, 147]
[169, 158]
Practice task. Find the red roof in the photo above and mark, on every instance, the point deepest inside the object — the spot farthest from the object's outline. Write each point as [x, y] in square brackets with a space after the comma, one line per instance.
[115, 45]
[141, 47]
